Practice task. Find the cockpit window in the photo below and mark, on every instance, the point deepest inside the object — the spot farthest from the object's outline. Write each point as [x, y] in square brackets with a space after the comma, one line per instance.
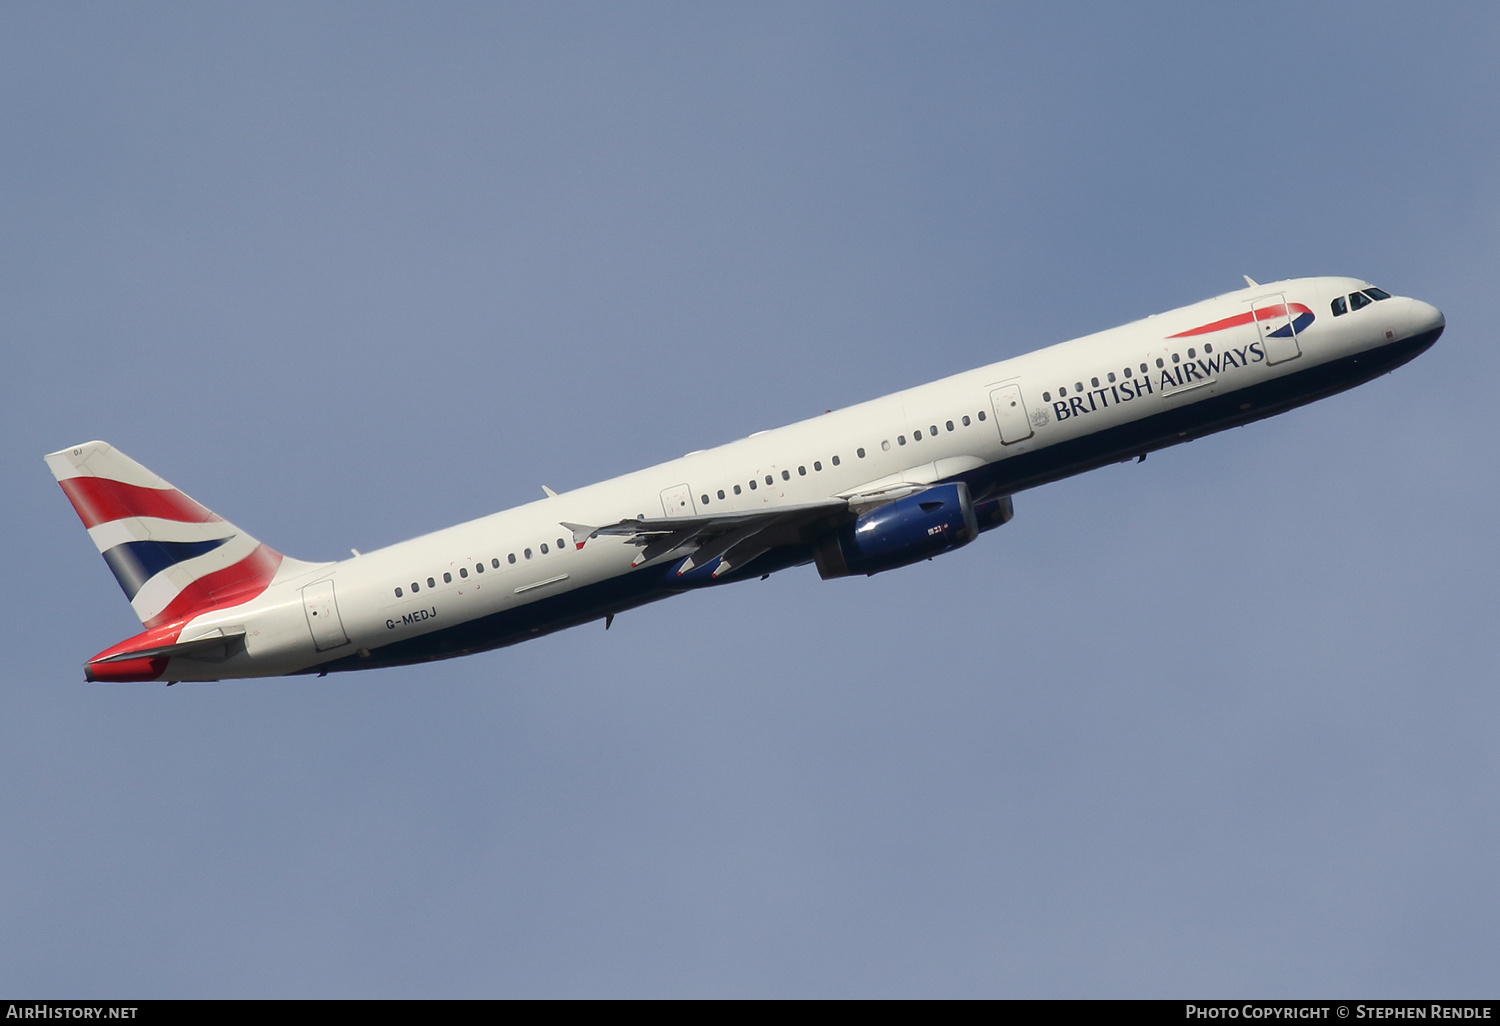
[1375, 293]
[1340, 306]
[1358, 300]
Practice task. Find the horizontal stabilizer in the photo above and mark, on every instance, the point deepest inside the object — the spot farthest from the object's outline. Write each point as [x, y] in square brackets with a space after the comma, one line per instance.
[146, 656]
[216, 644]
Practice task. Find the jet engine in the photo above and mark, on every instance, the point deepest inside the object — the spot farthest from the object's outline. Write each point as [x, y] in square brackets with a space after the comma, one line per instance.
[906, 531]
[991, 513]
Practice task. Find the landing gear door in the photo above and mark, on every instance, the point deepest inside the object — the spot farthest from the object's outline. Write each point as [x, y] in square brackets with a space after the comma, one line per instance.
[1010, 414]
[1276, 324]
[323, 616]
[677, 501]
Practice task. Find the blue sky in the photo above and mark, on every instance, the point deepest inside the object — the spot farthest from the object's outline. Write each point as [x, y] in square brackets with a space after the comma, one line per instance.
[1219, 723]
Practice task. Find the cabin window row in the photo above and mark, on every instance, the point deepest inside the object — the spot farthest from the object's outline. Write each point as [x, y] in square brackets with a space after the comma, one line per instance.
[770, 479]
[463, 571]
[1062, 390]
[817, 466]
[932, 430]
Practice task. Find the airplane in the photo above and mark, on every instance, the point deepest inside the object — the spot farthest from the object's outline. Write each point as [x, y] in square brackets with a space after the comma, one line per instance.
[857, 491]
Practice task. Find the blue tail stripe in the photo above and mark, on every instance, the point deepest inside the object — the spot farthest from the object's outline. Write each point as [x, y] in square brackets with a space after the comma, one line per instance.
[135, 563]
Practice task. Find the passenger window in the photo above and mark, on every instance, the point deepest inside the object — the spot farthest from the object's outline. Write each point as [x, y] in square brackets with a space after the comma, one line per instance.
[885, 445]
[1130, 373]
[544, 548]
[495, 563]
[720, 493]
[704, 497]
[431, 583]
[398, 592]
[786, 475]
[966, 419]
[560, 546]
[1340, 306]
[1046, 398]
[817, 464]
[1093, 382]
[1208, 348]
[1375, 293]
[526, 553]
[801, 471]
[948, 425]
[932, 430]
[917, 435]
[511, 559]
[1192, 354]
[1158, 363]
[1176, 358]
[770, 479]
[1078, 385]
[861, 453]
[463, 572]
[1111, 377]
[835, 461]
[737, 489]
[900, 439]
[1062, 393]
[1358, 300]
[479, 568]
[415, 587]
[752, 486]
[447, 578]
[981, 414]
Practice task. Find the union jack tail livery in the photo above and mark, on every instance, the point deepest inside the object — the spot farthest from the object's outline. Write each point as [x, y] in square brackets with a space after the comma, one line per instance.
[173, 557]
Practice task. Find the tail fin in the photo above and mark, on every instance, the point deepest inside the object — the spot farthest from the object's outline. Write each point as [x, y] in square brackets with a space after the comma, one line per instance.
[172, 557]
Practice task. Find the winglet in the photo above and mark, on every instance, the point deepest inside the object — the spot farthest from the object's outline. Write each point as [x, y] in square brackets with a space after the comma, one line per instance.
[581, 532]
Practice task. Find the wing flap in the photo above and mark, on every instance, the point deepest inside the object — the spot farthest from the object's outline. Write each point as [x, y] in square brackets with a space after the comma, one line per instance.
[714, 536]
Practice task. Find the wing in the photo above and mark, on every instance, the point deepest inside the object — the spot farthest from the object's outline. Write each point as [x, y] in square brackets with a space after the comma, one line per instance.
[733, 539]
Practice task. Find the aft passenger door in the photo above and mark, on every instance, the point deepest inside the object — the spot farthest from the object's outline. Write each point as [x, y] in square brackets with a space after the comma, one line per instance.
[323, 616]
[1277, 325]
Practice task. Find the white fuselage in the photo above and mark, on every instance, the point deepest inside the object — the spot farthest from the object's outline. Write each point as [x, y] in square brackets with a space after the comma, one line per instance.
[1047, 414]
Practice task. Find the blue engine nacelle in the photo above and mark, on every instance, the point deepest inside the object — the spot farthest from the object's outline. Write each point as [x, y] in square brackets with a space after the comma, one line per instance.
[906, 531]
[993, 512]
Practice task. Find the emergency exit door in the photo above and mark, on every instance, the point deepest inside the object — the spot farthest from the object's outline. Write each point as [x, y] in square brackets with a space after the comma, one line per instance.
[1010, 414]
[677, 501]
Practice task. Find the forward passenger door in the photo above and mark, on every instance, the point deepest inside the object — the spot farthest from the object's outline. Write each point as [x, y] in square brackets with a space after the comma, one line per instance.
[1277, 328]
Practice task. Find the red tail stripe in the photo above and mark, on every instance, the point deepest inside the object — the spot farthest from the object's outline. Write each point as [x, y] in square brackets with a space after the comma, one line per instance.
[230, 586]
[99, 500]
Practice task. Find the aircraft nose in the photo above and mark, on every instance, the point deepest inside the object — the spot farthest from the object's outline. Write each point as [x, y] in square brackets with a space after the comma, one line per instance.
[1425, 319]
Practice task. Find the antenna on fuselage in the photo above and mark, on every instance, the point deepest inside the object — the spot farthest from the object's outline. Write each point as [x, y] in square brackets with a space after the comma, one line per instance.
[1250, 281]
